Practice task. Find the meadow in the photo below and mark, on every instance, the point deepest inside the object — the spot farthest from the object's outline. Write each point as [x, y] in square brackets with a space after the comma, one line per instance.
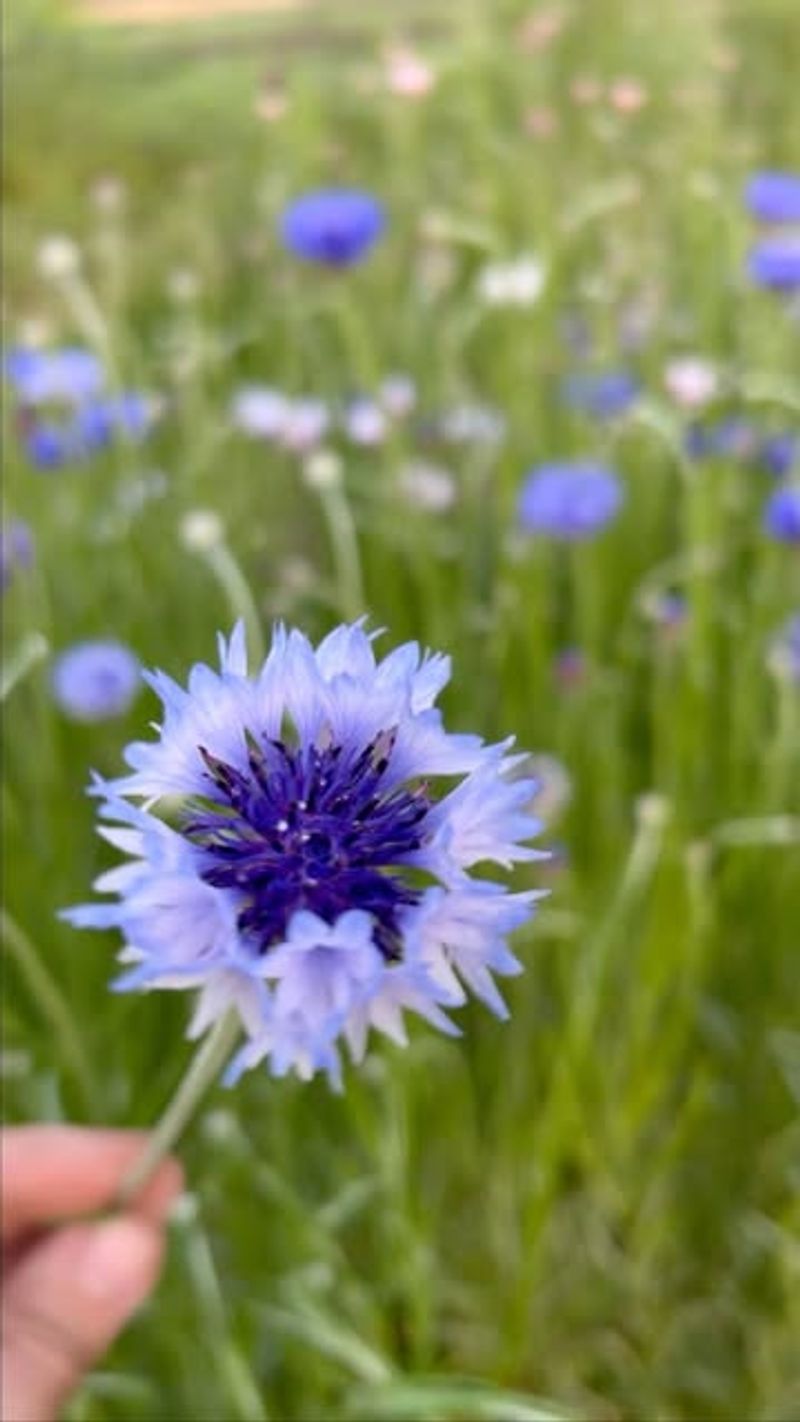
[588, 1211]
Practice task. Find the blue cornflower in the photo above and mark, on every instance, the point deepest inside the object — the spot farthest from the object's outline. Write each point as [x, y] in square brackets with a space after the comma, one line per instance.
[569, 500]
[732, 437]
[335, 226]
[90, 428]
[259, 411]
[775, 263]
[777, 452]
[603, 395]
[98, 422]
[16, 550]
[774, 197]
[365, 422]
[94, 681]
[62, 377]
[48, 446]
[310, 875]
[782, 514]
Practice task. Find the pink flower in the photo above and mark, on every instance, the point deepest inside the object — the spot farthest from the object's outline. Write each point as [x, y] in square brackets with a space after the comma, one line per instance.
[407, 73]
[540, 123]
[540, 29]
[691, 381]
[628, 96]
[270, 105]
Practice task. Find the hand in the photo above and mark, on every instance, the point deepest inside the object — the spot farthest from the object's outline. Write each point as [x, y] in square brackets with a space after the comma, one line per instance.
[68, 1290]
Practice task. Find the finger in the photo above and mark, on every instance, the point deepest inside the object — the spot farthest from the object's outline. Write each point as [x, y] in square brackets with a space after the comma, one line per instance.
[64, 1304]
[51, 1172]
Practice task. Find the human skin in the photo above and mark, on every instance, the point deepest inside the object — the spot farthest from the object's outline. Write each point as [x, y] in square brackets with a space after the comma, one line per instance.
[71, 1283]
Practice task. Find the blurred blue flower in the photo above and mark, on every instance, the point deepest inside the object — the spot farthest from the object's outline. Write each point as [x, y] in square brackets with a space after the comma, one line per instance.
[774, 263]
[569, 500]
[669, 609]
[782, 514]
[784, 652]
[365, 422]
[778, 452]
[733, 437]
[94, 681]
[603, 395]
[570, 668]
[335, 226]
[61, 377]
[98, 422]
[306, 422]
[16, 550]
[773, 196]
[90, 428]
[48, 446]
[259, 411]
[398, 395]
[310, 877]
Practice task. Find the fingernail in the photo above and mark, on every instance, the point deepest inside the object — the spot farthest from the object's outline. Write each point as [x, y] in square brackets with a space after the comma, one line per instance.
[119, 1254]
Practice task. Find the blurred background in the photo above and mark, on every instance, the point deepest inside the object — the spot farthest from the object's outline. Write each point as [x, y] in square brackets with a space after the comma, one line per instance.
[588, 1211]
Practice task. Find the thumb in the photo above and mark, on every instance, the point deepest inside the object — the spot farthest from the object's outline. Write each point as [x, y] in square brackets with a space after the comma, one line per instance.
[64, 1303]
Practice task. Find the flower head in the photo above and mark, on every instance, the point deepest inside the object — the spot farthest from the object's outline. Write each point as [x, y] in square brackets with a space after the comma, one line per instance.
[691, 381]
[130, 415]
[311, 875]
[572, 500]
[305, 424]
[733, 437]
[773, 196]
[58, 257]
[774, 263]
[627, 96]
[778, 452]
[782, 514]
[398, 395]
[16, 550]
[517, 283]
[335, 226]
[92, 426]
[407, 73]
[365, 422]
[426, 486]
[68, 376]
[603, 396]
[259, 411]
[94, 681]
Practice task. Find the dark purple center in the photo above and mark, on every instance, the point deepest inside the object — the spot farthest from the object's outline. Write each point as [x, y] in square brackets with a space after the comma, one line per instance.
[310, 827]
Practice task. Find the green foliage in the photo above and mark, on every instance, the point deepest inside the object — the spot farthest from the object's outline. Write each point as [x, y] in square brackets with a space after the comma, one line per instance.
[596, 1202]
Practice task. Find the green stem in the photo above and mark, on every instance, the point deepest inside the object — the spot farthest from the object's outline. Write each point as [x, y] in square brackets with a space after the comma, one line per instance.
[242, 1394]
[344, 547]
[203, 1070]
[237, 590]
[50, 1001]
[31, 650]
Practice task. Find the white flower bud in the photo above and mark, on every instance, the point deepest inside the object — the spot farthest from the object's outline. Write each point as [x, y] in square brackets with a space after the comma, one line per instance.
[201, 530]
[58, 257]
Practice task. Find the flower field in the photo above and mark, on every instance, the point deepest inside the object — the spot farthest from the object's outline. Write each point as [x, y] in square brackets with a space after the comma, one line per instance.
[446, 365]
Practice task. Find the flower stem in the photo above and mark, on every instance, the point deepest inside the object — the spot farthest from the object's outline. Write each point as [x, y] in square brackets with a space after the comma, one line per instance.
[51, 1003]
[203, 1070]
[237, 590]
[344, 547]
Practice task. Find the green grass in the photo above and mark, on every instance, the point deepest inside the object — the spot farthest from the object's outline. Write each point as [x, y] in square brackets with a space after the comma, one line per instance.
[588, 1212]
